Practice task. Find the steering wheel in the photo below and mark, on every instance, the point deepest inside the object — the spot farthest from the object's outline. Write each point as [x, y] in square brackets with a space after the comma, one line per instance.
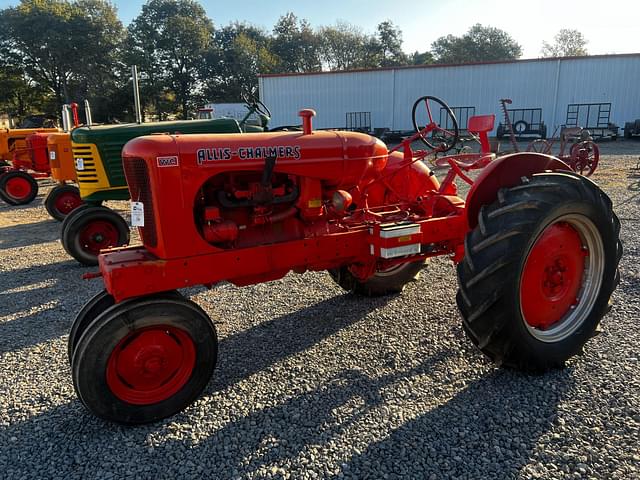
[256, 105]
[442, 137]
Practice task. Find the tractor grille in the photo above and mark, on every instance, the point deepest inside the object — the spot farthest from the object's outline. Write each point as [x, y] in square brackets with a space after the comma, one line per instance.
[84, 153]
[137, 175]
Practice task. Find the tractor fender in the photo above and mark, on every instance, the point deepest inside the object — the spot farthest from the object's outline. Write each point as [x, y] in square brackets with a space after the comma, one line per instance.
[506, 172]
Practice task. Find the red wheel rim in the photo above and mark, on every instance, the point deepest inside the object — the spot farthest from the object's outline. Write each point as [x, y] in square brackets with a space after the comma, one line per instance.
[98, 235]
[67, 201]
[18, 187]
[552, 276]
[151, 364]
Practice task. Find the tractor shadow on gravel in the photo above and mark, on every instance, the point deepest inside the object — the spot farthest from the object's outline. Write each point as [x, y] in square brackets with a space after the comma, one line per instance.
[40, 308]
[486, 427]
[253, 350]
[27, 234]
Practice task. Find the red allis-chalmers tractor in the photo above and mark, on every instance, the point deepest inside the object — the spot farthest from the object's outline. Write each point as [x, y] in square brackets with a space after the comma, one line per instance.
[536, 247]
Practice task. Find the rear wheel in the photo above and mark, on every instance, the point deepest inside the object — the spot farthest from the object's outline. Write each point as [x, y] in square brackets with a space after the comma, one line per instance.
[144, 359]
[384, 282]
[18, 188]
[539, 270]
[61, 200]
[93, 229]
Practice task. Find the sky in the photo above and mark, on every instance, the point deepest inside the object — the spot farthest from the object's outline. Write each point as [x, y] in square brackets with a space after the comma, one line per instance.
[608, 27]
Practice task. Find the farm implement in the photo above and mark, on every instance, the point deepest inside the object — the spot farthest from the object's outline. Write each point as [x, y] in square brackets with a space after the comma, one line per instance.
[583, 155]
[98, 166]
[536, 247]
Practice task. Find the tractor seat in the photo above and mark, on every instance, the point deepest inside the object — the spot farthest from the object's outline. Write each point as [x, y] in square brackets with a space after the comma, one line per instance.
[482, 125]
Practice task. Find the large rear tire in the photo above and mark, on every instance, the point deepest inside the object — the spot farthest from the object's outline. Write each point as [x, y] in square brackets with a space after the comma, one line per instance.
[93, 229]
[381, 283]
[539, 271]
[144, 359]
[62, 200]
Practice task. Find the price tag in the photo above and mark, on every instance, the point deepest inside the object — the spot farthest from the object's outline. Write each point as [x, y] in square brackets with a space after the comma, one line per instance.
[52, 155]
[137, 214]
[80, 164]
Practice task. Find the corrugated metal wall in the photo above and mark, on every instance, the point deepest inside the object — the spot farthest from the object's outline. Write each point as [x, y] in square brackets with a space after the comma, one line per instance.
[389, 94]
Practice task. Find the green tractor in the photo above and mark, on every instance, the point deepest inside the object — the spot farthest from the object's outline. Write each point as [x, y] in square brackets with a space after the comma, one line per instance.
[96, 150]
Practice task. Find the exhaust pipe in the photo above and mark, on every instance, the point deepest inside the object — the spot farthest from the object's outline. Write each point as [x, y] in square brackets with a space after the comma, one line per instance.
[87, 113]
[66, 119]
[136, 93]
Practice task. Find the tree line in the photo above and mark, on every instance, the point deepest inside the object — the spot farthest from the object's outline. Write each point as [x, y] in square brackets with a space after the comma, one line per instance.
[59, 51]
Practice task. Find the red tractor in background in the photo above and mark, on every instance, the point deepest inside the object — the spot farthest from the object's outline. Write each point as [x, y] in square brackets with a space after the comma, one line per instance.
[536, 247]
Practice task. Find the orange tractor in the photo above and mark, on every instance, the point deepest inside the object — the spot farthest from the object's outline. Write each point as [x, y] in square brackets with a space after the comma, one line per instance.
[535, 244]
[43, 153]
[18, 167]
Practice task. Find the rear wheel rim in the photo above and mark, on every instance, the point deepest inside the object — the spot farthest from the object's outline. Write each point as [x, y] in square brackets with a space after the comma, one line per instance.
[99, 235]
[561, 278]
[151, 364]
[18, 187]
[67, 201]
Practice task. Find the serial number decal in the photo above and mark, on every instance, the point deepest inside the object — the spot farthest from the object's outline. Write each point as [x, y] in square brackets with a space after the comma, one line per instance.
[206, 155]
[167, 161]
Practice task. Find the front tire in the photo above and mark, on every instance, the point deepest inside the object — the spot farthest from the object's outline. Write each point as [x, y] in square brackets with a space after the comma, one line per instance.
[62, 200]
[539, 270]
[18, 188]
[381, 283]
[144, 359]
[93, 229]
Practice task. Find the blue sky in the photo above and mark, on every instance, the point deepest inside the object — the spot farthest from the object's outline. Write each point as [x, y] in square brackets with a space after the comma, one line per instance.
[610, 27]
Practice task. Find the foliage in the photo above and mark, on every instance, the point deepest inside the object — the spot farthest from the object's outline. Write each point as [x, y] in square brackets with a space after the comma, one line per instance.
[175, 34]
[238, 54]
[67, 48]
[390, 43]
[58, 51]
[567, 43]
[296, 45]
[479, 44]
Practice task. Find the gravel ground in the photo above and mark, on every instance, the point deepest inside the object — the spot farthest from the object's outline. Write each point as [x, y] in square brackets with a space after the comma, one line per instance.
[314, 383]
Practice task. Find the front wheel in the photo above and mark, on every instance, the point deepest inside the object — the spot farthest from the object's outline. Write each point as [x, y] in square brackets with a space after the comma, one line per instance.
[61, 200]
[539, 271]
[144, 359]
[18, 188]
[91, 230]
[383, 282]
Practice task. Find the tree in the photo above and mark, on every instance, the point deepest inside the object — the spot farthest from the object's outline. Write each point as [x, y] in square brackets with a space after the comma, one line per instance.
[424, 58]
[18, 95]
[296, 45]
[174, 36]
[390, 40]
[344, 46]
[567, 43]
[479, 44]
[238, 54]
[65, 47]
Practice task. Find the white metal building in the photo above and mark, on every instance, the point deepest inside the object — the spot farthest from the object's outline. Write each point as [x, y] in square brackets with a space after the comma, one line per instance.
[389, 93]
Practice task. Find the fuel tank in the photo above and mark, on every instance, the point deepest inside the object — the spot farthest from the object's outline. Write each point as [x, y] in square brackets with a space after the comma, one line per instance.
[339, 159]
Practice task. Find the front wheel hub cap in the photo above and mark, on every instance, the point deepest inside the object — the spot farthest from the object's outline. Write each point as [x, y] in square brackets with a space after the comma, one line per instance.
[151, 365]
